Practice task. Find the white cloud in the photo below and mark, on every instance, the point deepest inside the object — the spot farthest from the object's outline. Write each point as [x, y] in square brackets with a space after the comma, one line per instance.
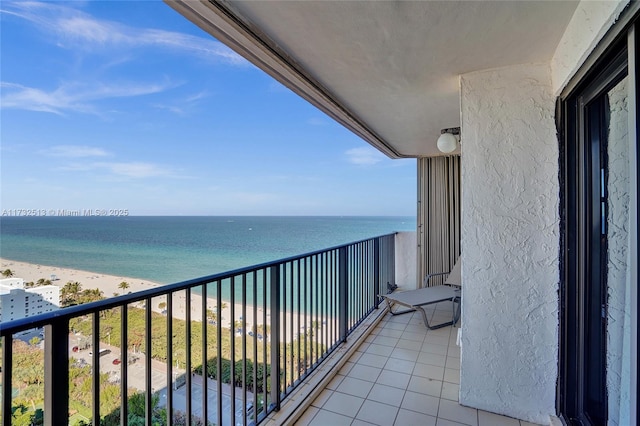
[136, 169]
[125, 169]
[72, 28]
[316, 121]
[365, 156]
[75, 151]
[182, 106]
[71, 97]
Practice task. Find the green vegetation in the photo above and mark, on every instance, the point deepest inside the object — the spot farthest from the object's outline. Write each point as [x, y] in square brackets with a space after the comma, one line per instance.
[40, 282]
[136, 321]
[73, 294]
[7, 273]
[123, 285]
[27, 378]
[28, 362]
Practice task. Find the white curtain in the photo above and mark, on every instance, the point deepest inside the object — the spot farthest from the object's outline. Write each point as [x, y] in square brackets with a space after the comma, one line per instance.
[438, 216]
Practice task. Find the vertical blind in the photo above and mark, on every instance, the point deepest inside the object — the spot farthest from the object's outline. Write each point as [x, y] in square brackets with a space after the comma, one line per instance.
[438, 216]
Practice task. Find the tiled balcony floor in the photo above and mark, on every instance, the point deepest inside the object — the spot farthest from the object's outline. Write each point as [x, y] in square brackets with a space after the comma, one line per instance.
[403, 374]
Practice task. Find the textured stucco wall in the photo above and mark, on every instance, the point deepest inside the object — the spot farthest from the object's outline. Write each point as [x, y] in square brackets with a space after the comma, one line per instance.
[510, 242]
[589, 23]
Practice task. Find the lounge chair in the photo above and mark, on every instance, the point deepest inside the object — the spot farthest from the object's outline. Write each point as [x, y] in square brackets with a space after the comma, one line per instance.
[415, 300]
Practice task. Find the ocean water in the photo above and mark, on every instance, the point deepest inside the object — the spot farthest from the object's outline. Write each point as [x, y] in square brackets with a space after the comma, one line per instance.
[173, 249]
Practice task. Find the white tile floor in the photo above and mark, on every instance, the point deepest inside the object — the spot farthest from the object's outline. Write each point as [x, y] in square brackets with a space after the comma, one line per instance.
[404, 374]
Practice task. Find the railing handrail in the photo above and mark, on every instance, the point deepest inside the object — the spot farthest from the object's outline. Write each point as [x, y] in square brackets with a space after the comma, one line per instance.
[22, 324]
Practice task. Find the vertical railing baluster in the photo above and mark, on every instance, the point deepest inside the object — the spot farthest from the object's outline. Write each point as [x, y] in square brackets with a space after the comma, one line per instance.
[320, 283]
[219, 352]
[354, 268]
[275, 335]
[308, 314]
[366, 279]
[205, 327]
[7, 369]
[244, 349]
[265, 333]
[367, 284]
[343, 291]
[356, 304]
[169, 358]
[289, 309]
[324, 288]
[354, 290]
[299, 327]
[376, 273]
[313, 285]
[147, 365]
[283, 333]
[187, 367]
[124, 366]
[255, 346]
[282, 313]
[56, 368]
[329, 298]
[95, 362]
[334, 297]
[232, 356]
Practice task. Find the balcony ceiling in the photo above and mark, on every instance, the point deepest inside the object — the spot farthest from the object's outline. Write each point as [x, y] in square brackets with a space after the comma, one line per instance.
[386, 70]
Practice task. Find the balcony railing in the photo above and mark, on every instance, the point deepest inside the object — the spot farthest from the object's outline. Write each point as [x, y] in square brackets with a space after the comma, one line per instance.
[174, 366]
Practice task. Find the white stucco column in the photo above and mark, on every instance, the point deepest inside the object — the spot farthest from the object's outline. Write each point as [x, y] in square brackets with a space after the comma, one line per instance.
[510, 242]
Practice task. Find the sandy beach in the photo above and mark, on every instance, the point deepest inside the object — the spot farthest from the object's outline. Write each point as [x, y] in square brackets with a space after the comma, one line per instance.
[109, 284]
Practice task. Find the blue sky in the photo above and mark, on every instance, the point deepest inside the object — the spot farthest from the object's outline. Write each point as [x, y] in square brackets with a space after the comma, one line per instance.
[127, 105]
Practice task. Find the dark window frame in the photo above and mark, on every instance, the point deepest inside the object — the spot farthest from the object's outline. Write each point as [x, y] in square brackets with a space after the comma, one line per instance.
[603, 73]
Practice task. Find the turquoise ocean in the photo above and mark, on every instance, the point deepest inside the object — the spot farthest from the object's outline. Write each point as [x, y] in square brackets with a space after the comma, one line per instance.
[173, 249]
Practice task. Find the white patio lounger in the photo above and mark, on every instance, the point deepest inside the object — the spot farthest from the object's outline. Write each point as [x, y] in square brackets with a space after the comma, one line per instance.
[415, 300]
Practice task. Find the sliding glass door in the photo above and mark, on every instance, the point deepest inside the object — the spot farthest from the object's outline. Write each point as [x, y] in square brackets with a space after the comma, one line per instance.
[596, 361]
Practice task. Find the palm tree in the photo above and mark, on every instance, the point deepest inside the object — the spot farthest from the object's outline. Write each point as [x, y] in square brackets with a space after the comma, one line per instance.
[42, 281]
[124, 285]
[162, 305]
[7, 273]
[70, 293]
[91, 295]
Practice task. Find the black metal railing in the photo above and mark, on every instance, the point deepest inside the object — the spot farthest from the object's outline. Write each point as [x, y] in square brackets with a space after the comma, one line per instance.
[228, 348]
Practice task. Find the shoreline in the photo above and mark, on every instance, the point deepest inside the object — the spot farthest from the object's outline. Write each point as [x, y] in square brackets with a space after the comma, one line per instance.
[108, 284]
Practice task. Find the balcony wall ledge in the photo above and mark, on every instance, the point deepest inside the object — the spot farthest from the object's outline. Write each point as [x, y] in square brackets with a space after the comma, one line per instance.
[295, 405]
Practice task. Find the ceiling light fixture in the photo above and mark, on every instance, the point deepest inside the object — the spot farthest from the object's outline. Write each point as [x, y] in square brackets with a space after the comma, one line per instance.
[449, 139]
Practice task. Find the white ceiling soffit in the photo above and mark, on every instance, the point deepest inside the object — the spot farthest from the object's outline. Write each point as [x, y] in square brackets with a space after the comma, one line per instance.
[386, 70]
